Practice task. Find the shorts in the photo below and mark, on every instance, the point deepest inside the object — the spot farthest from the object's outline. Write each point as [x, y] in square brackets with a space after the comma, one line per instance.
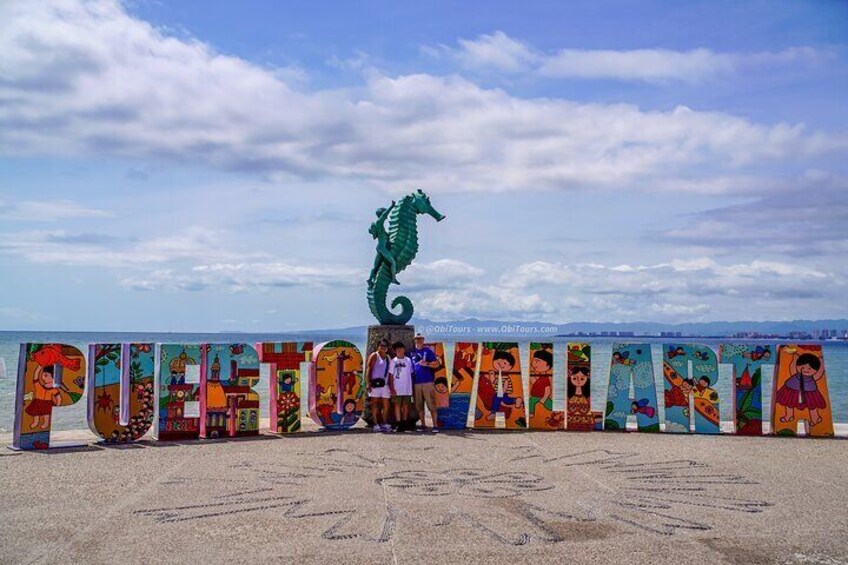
[425, 393]
[402, 399]
[382, 392]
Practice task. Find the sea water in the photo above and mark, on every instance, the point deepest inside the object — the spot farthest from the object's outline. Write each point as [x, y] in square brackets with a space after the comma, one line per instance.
[74, 417]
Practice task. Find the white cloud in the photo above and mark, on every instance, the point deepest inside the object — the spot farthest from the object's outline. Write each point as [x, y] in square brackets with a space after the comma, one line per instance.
[805, 217]
[638, 64]
[237, 277]
[482, 301]
[500, 52]
[693, 289]
[87, 78]
[234, 277]
[702, 274]
[47, 210]
[193, 244]
[442, 273]
[496, 50]
[680, 309]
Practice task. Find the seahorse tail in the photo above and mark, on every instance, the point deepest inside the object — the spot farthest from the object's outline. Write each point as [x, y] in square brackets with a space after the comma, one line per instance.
[405, 310]
[377, 296]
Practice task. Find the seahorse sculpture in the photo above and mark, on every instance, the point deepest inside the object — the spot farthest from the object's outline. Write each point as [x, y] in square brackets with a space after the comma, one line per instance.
[396, 248]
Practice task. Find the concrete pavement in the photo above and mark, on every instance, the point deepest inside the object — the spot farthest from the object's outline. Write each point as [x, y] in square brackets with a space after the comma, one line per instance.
[475, 497]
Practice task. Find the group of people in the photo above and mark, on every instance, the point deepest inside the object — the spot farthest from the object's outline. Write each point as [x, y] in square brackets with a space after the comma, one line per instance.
[401, 378]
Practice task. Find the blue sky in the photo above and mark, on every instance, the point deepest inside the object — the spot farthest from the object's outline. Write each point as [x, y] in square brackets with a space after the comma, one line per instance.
[214, 166]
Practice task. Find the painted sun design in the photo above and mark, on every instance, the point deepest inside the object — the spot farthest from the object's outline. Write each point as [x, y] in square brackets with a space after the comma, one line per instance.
[548, 497]
[465, 482]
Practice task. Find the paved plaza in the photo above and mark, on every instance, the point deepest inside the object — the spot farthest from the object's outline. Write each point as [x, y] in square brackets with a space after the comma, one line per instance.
[470, 497]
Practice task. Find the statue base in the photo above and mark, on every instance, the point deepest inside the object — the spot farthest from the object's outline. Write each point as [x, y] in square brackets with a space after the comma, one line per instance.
[403, 334]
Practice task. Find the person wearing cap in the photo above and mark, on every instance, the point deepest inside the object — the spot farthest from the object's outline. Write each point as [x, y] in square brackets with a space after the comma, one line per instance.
[424, 365]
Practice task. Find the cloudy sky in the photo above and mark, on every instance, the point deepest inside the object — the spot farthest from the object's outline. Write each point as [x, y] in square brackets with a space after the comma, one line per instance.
[215, 165]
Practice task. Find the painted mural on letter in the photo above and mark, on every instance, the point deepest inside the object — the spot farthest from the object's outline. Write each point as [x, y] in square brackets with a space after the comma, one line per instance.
[454, 416]
[229, 407]
[285, 359]
[683, 387]
[338, 391]
[50, 375]
[578, 408]
[542, 384]
[747, 384]
[122, 396]
[178, 391]
[499, 388]
[631, 362]
[800, 392]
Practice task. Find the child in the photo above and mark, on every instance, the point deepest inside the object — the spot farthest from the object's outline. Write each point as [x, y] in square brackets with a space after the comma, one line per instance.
[378, 374]
[801, 389]
[44, 398]
[487, 392]
[503, 362]
[349, 416]
[703, 390]
[540, 389]
[679, 395]
[400, 385]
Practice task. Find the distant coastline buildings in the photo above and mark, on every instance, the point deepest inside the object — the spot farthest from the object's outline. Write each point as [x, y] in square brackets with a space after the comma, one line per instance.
[815, 335]
[821, 335]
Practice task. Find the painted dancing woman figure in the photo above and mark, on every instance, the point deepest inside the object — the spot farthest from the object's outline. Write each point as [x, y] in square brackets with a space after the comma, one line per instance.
[801, 390]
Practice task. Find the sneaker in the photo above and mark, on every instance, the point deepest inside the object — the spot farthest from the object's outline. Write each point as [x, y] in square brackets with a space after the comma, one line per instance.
[421, 429]
[434, 430]
[385, 428]
[378, 429]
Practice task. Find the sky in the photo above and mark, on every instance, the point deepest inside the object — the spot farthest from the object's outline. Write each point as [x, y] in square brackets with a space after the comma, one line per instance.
[215, 166]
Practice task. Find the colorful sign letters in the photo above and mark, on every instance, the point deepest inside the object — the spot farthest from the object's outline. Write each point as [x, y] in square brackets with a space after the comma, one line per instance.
[454, 416]
[747, 384]
[690, 373]
[578, 407]
[122, 396]
[800, 392]
[632, 363]
[499, 387]
[542, 385]
[208, 391]
[285, 361]
[229, 406]
[338, 385]
[50, 375]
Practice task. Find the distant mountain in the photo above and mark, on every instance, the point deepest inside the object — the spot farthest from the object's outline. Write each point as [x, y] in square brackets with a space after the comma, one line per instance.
[640, 328]
[473, 326]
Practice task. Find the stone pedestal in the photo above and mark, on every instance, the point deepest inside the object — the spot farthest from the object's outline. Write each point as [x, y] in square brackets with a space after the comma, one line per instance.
[403, 334]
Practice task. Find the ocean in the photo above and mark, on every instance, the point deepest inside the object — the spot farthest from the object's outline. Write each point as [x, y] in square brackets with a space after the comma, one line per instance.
[74, 417]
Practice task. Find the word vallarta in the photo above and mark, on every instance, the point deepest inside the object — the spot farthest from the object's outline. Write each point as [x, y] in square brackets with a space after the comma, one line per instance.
[207, 391]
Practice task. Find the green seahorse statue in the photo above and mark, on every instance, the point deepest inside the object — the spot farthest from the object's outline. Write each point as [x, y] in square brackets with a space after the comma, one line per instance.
[396, 248]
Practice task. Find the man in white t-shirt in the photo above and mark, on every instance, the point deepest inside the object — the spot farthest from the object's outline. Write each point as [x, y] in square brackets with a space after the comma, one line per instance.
[400, 385]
